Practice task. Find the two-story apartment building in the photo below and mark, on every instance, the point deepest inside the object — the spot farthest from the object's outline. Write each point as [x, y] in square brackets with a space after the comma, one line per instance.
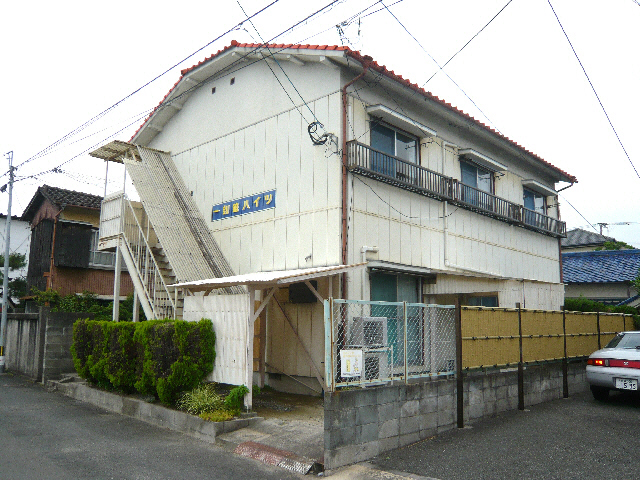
[302, 156]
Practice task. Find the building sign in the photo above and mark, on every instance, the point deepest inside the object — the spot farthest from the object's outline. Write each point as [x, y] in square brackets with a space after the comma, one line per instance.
[350, 363]
[241, 206]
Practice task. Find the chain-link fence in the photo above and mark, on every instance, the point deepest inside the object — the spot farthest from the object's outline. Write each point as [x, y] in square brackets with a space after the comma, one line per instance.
[375, 342]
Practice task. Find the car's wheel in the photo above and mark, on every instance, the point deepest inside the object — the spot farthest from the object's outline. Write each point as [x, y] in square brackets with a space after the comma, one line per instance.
[600, 393]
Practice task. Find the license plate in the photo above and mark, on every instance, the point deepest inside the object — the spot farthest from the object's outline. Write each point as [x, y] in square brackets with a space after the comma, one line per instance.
[626, 384]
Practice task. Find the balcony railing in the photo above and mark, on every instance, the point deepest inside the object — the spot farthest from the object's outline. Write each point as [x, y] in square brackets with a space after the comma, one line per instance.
[373, 163]
[396, 171]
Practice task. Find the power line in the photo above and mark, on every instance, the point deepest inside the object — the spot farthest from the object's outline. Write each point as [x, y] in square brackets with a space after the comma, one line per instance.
[438, 65]
[578, 212]
[594, 89]
[197, 85]
[465, 45]
[104, 112]
[282, 69]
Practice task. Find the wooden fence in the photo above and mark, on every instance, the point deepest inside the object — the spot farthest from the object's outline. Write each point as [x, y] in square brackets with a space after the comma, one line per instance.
[502, 337]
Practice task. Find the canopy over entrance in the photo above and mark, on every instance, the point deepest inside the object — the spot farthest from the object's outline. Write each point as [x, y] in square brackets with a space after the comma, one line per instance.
[261, 287]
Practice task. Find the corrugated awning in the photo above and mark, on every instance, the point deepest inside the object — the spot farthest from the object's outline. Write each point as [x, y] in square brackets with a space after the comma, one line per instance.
[267, 279]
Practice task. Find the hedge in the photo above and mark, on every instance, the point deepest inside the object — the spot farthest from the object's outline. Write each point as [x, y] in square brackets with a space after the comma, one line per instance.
[160, 357]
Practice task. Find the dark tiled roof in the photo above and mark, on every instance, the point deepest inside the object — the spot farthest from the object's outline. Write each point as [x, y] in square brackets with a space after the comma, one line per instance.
[61, 197]
[373, 65]
[582, 238]
[600, 267]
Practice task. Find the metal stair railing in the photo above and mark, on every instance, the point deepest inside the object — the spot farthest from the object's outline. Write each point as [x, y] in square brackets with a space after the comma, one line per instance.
[141, 260]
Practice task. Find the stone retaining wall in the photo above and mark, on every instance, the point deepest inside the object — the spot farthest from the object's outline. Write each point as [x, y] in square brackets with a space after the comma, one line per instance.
[362, 423]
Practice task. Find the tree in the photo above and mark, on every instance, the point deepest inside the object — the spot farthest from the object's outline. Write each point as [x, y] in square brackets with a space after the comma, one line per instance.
[615, 245]
[18, 285]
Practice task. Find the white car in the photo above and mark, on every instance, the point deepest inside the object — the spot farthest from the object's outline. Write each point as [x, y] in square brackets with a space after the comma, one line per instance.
[616, 366]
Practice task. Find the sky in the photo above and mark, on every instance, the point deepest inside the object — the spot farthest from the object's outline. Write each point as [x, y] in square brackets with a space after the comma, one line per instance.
[66, 63]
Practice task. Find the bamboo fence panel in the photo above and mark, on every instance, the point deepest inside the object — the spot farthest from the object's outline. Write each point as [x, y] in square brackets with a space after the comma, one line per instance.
[489, 337]
[542, 335]
[582, 333]
[610, 324]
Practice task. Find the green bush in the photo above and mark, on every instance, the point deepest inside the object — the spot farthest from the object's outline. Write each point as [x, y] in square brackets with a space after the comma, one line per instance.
[234, 401]
[217, 416]
[161, 357]
[202, 399]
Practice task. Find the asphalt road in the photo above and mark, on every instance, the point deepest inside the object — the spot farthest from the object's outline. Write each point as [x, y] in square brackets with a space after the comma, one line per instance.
[574, 438]
[48, 436]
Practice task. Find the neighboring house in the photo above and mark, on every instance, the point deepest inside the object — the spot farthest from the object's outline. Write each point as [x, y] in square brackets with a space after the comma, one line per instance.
[63, 254]
[368, 168]
[579, 240]
[602, 276]
[20, 240]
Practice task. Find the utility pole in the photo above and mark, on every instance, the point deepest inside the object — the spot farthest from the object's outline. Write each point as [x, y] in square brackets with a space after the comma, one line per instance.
[5, 281]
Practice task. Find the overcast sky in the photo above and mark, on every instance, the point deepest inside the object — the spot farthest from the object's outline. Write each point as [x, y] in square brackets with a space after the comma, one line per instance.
[66, 62]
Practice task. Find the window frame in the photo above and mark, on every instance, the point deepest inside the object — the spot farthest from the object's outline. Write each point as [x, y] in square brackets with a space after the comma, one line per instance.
[535, 194]
[492, 183]
[374, 122]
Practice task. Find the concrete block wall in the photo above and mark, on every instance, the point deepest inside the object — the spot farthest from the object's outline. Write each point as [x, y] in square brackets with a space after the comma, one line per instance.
[57, 343]
[361, 423]
[24, 342]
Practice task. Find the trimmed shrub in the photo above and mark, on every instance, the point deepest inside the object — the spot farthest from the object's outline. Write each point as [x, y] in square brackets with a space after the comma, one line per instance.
[160, 357]
[234, 401]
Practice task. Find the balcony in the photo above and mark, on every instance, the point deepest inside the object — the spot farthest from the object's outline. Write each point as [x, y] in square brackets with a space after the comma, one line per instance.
[369, 162]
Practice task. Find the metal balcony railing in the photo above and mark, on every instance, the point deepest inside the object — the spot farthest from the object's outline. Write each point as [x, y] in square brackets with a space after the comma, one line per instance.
[393, 170]
[367, 161]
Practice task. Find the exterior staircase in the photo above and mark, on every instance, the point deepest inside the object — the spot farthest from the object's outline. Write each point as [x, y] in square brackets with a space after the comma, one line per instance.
[164, 239]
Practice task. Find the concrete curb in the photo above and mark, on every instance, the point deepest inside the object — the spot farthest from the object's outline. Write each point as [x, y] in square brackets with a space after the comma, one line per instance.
[157, 415]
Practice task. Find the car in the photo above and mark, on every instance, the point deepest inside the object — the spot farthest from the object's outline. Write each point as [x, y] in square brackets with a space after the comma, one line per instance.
[616, 366]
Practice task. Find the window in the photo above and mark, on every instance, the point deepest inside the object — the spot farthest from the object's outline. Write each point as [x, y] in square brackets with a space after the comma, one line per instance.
[477, 186]
[535, 205]
[477, 177]
[483, 301]
[394, 143]
[98, 258]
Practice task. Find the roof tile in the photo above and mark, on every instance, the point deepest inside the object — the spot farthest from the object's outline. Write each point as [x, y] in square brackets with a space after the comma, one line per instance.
[606, 266]
[376, 66]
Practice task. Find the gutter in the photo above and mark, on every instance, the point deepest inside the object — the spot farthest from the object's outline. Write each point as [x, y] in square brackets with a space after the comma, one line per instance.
[365, 62]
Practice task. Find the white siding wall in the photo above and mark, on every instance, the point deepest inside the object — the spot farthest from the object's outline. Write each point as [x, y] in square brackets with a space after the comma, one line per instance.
[229, 314]
[274, 152]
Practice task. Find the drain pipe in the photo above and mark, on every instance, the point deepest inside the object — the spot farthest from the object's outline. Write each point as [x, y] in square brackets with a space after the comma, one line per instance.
[363, 252]
[366, 62]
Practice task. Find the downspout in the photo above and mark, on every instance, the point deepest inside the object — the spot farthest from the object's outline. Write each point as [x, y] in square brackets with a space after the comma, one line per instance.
[559, 238]
[364, 251]
[365, 67]
[53, 247]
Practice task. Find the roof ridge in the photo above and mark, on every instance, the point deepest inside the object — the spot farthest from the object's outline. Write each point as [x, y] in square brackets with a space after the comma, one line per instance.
[372, 64]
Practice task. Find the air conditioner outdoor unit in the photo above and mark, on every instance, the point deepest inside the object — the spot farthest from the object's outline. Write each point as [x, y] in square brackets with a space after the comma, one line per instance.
[367, 331]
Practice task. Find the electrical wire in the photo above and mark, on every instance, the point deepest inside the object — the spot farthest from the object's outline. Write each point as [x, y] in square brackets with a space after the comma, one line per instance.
[578, 212]
[594, 90]
[466, 44]
[438, 65]
[197, 85]
[104, 112]
[282, 69]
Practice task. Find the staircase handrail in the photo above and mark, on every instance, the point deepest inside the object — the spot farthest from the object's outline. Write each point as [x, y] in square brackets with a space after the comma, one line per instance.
[155, 264]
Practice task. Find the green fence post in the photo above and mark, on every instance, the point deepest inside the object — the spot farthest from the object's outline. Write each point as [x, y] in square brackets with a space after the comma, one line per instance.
[459, 378]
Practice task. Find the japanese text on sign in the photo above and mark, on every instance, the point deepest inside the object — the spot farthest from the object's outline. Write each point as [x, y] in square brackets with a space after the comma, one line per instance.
[241, 206]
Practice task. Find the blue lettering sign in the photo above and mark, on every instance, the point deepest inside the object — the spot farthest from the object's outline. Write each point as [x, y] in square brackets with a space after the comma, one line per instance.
[241, 206]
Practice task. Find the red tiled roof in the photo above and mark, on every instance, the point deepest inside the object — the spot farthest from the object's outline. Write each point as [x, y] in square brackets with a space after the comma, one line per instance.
[382, 69]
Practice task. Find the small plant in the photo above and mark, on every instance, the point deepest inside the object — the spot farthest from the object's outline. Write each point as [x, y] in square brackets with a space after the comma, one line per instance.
[201, 400]
[217, 416]
[234, 401]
